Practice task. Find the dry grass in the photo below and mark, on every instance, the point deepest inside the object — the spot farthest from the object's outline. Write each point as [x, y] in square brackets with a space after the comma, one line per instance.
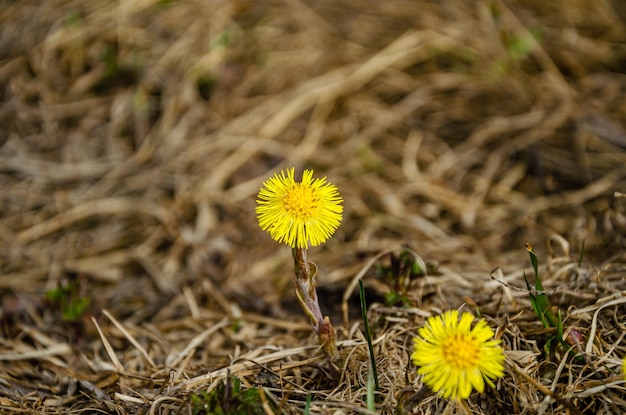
[135, 135]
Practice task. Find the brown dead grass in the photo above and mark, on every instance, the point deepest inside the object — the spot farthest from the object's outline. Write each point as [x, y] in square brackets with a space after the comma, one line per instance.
[135, 135]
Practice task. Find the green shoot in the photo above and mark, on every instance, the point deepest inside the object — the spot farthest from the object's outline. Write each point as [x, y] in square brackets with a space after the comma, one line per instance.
[545, 310]
[228, 399]
[539, 300]
[367, 334]
[402, 269]
[67, 298]
[371, 380]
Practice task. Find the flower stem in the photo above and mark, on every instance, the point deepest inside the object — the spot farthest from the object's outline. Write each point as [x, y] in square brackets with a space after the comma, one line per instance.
[306, 282]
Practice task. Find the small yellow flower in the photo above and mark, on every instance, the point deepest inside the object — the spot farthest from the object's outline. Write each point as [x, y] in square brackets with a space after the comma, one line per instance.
[454, 358]
[298, 213]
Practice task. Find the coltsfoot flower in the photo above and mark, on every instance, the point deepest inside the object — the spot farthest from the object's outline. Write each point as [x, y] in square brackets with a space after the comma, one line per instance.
[454, 358]
[297, 214]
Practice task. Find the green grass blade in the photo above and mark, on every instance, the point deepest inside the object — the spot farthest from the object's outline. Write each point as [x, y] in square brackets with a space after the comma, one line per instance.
[533, 300]
[543, 307]
[367, 333]
[533, 260]
[541, 302]
[370, 401]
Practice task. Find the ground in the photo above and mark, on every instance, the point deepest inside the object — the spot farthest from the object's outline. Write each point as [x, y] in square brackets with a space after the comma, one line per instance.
[136, 135]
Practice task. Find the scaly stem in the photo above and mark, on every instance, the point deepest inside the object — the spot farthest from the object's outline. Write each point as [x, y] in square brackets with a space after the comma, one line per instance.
[306, 282]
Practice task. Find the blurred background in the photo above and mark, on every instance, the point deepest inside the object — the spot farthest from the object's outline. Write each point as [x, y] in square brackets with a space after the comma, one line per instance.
[135, 136]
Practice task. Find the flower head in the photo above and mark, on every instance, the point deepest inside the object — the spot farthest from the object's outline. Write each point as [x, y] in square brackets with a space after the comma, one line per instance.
[298, 213]
[454, 358]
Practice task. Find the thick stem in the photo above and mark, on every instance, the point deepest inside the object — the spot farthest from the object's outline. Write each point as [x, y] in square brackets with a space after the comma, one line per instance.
[306, 283]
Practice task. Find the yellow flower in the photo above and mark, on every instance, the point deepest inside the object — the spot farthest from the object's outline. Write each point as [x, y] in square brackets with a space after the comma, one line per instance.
[298, 213]
[454, 358]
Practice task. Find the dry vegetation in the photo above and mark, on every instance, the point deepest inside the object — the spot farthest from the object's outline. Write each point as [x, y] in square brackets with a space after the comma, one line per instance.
[135, 135]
